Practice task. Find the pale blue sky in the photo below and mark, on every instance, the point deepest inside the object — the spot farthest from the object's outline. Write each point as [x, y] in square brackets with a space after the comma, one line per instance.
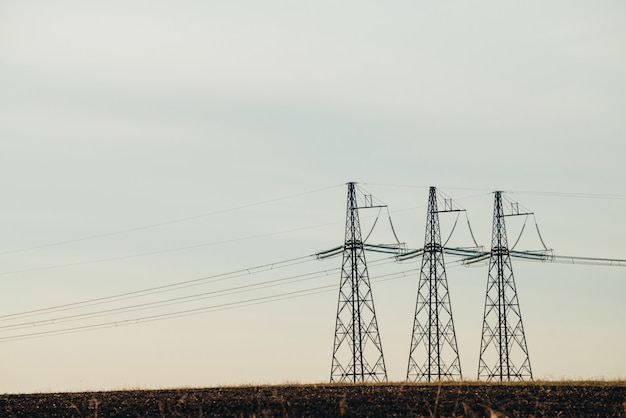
[118, 115]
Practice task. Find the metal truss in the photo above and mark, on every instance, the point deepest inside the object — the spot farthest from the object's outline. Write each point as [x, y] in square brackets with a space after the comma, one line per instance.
[434, 354]
[503, 350]
[357, 351]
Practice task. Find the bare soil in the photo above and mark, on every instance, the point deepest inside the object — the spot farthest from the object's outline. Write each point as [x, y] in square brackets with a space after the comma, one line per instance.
[535, 399]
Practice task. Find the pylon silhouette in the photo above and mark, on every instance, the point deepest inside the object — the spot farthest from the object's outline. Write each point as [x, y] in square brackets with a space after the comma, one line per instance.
[503, 350]
[434, 354]
[357, 351]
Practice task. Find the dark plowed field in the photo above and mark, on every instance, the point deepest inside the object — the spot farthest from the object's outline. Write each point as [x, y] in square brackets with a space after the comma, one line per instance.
[587, 399]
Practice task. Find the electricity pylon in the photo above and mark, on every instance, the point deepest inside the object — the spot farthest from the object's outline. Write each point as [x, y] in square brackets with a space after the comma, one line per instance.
[357, 351]
[434, 354]
[503, 351]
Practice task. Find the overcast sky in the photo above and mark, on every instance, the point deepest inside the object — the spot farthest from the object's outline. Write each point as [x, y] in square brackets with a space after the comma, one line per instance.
[145, 143]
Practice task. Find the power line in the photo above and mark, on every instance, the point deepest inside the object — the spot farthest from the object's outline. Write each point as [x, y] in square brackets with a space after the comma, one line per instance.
[174, 301]
[606, 196]
[175, 286]
[194, 311]
[581, 195]
[157, 252]
[167, 287]
[415, 186]
[149, 253]
[158, 224]
[151, 318]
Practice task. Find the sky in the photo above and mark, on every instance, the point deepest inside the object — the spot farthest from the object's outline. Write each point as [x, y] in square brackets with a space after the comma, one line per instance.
[147, 143]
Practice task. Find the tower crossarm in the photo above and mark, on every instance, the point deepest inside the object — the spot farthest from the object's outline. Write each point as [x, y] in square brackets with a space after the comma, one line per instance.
[517, 214]
[569, 259]
[395, 249]
[465, 252]
[614, 262]
[472, 256]
[385, 248]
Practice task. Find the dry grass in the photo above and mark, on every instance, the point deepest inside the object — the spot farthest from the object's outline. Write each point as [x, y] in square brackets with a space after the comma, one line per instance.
[446, 399]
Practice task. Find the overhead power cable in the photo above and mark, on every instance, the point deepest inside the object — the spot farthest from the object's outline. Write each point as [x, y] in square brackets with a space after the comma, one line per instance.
[580, 195]
[392, 228]
[373, 225]
[453, 228]
[522, 232]
[470, 230]
[175, 286]
[149, 253]
[173, 301]
[158, 224]
[196, 311]
[539, 234]
[605, 196]
[166, 287]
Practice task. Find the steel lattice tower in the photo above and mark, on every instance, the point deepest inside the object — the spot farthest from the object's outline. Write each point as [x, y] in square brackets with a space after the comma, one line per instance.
[357, 351]
[503, 351]
[434, 354]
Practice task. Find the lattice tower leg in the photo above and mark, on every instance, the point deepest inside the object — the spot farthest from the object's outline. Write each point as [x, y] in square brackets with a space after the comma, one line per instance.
[434, 354]
[357, 350]
[503, 351]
